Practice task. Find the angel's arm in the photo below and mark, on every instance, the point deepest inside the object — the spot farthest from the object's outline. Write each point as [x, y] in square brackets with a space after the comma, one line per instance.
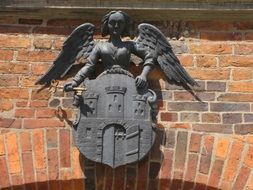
[148, 63]
[89, 66]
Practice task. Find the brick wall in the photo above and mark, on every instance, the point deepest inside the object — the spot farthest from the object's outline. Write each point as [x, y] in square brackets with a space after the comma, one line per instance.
[203, 140]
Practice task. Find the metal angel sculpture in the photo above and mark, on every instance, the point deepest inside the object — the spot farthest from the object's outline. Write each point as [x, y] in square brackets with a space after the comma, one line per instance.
[115, 125]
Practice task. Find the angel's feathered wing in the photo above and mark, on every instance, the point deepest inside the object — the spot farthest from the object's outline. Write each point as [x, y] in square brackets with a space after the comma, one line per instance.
[152, 39]
[78, 44]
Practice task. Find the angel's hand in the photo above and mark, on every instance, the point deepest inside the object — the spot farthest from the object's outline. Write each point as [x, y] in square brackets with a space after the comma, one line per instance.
[69, 86]
[141, 81]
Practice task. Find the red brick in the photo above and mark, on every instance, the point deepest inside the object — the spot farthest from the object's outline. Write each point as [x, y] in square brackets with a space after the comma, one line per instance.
[30, 21]
[166, 116]
[8, 20]
[65, 22]
[6, 55]
[2, 145]
[41, 95]
[201, 181]
[167, 164]
[249, 36]
[215, 174]
[52, 138]
[39, 149]
[210, 48]
[42, 180]
[119, 180]
[242, 178]
[25, 141]
[14, 93]
[236, 61]
[14, 68]
[10, 123]
[4, 179]
[52, 30]
[221, 36]
[177, 180]
[241, 87]
[195, 142]
[53, 164]
[180, 125]
[15, 42]
[242, 74]
[181, 148]
[206, 61]
[169, 141]
[28, 81]
[244, 49]
[206, 154]
[210, 74]
[142, 174]
[36, 56]
[64, 148]
[211, 118]
[235, 97]
[249, 158]
[222, 148]
[191, 169]
[18, 181]
[9, 80]
[213, 128]
[186, 60]
[42, 123]
[233, 161]
[39, 69]
[77, 165]
[14, 30]
[39, 103]
[13, 153]
[6, 105]
[22, 103]
[59, 43]
[24, 113]
[183, 96]
[42, 43]
[28, 167]
[130, 179]
[45, 113]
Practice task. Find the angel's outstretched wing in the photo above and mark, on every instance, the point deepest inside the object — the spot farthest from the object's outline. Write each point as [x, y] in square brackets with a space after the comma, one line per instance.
[78, 44]
[152, 39]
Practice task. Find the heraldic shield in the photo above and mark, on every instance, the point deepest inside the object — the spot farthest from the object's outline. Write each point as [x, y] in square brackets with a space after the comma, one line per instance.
[114, 125]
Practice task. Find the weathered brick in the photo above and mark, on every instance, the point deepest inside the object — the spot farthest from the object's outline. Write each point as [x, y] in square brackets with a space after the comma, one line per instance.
[65, 22]
[52, 138]
[222, 148]
[242, 178]
[17, 180]
[142, 178]
[54, 103]
[22, 103]
[249, 36]
[195, 142]
[53, 164]
[30, 21]
[6, 105]
[206, 61]
[25, 141]
[229, 107]
[40, 95]
[42, 43]
[13, 153]
[244, 49]
[15, 42]
[14, 68]
[42, 183]
[167, 164]
[42, 123]
[64, 148]
[235, 97]
[52, 30]
[169, 141]
[211, 25]
[210, 74]
[211, 118]
[213, 128]
[191, 171]
[166, 116]
[240, 87]
[243, 129]
[206, 154]
[39, 149]
[9, 80]
[215, 175]
[45, 113]
[119, 181]
[189, 117]
[187, 106]
[14, 30]
[28, 167]
[249, 158]
[36, 56]
[236, 61]
[39, 103]
[4, 179]
[6, 55]
[242, 74]
[28, 81]
[2, 145]
[8, 20]
[10, 123]
[180, 125]
[233, 161]
[248, 118]
[181, 149]
[14, 93]
[231, 118]
[186, 60]
[210, 48]
[39, 69]
[176, 182]
[221, 36]
[24, 113]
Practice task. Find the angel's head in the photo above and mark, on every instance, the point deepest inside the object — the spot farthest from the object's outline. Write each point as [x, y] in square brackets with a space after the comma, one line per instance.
[116, 23]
